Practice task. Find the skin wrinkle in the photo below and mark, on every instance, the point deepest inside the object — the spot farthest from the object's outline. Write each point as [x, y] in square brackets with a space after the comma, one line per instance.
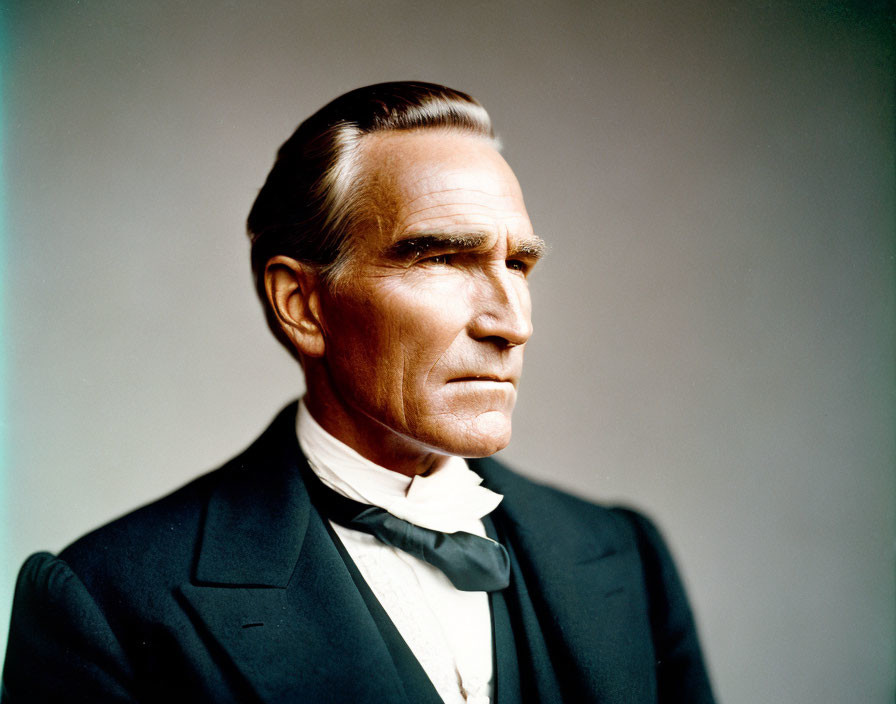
[404, 334]
[363, 200]
[417, 244]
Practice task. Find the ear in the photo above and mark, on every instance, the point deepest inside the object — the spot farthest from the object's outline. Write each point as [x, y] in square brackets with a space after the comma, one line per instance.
[293, 291]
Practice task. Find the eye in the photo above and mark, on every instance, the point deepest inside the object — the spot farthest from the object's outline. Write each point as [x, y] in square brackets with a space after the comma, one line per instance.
[438, 259]
[518, 265]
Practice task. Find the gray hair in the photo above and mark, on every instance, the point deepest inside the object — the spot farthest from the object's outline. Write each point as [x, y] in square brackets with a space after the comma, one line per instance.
[314, 198]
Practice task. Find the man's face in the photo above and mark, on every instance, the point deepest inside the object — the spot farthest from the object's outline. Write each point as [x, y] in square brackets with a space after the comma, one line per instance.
[424, 335]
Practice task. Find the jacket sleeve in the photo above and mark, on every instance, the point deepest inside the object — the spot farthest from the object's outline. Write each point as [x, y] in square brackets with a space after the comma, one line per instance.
[681, 673]
[61, 648]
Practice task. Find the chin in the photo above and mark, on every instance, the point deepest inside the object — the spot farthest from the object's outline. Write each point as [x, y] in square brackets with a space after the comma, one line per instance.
[480, 436]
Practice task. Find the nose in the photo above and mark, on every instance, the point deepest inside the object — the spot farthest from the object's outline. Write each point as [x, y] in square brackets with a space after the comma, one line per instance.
[502, 309]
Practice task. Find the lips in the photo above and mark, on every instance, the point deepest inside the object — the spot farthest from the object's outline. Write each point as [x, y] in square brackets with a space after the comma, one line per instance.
[482, 377]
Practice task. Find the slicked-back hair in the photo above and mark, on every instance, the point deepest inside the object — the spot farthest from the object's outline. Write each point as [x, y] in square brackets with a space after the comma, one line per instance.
[314, 197]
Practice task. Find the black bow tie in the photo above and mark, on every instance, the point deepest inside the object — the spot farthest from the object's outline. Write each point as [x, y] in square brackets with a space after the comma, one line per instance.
[472, 563]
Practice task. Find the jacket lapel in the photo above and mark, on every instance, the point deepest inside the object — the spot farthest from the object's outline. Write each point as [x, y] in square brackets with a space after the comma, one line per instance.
[271, 590]
[584, 577]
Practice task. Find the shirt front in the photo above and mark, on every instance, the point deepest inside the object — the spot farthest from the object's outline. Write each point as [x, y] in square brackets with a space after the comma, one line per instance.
[448, 630]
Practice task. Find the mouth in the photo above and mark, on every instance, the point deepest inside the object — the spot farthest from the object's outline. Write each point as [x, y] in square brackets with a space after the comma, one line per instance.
[482, 377]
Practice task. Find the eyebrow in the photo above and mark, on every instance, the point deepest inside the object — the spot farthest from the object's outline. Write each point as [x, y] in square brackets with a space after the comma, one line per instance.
[533, 247]
[415, 245]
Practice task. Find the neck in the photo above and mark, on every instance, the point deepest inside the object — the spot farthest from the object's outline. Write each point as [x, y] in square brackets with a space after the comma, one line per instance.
[371, 439]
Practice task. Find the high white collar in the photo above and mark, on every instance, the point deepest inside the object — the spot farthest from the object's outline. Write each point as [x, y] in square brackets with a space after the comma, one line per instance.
[444, 500]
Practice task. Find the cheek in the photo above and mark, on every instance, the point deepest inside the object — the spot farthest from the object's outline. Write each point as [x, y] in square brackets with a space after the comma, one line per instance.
[435, 345]
[357, 343]
[369, 348]
[394, 343]
[428, 320]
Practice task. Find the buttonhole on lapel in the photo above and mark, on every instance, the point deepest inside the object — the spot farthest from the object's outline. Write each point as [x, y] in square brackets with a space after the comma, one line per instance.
[617, 590]
[596, 557]
[252, 625]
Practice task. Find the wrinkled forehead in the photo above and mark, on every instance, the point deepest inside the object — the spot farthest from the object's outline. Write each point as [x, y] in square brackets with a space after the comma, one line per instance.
[444, 181]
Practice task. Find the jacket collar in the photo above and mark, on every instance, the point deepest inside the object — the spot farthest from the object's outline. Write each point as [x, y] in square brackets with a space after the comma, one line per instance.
[532, 511]
[584, 574]
[270, 587]
[257, 516]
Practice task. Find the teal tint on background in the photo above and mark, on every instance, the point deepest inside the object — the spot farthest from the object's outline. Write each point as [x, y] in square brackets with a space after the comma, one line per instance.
[8, 570]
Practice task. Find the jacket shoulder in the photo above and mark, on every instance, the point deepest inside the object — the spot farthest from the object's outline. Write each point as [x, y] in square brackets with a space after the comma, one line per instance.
[552, 522]
[166, 526]
[537, 502]
[61, 648]
[162, 535]
[108, 617]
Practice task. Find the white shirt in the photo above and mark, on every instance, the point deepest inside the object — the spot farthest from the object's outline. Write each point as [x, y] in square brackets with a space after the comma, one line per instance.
[448, 630]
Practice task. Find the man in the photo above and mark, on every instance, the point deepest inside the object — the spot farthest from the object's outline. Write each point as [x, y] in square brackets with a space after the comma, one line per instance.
[350, 554]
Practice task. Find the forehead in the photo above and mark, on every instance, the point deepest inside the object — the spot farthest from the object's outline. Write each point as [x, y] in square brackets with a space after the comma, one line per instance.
[443, 180]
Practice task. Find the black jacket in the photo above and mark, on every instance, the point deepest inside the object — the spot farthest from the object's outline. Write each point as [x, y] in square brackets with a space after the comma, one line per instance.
[230, 590]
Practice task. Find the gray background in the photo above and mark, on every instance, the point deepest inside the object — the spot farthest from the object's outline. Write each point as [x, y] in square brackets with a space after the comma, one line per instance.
[714, 325]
